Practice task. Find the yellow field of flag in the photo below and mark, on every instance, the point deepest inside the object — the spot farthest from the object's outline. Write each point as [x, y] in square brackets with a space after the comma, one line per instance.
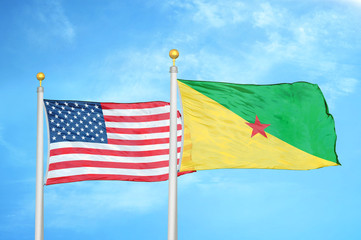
[280, 126]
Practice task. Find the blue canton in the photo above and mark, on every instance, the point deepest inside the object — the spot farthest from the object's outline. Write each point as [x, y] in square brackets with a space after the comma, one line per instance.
[75, 121]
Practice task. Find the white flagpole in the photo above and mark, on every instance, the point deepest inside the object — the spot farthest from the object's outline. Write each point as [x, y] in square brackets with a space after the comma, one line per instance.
[172, 189]
[39, 197]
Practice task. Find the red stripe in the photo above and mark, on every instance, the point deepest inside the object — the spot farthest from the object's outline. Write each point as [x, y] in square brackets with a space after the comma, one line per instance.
[85, 177]
[133, 105]
[141, 142]
[141, 130]
[101, 164]
[145, 118]
[105, 152]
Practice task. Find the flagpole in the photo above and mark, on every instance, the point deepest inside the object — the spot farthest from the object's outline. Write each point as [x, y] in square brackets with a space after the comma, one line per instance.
[39, 192]
[172, 189]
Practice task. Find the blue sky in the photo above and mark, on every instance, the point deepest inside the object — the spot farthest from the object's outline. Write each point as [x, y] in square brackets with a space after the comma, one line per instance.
[118, 51]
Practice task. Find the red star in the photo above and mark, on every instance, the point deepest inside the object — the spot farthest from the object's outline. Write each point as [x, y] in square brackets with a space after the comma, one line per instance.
[258, 127]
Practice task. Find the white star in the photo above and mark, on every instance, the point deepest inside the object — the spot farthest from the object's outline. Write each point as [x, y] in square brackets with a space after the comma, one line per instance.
[66, 116]
[76, 125]
[92, 110]
[88, 114]
[56, 103]
[53, 107]
[102, 139]
[86, 105]
[65, 103]
[86, 126]
[62, 107]
[54, 138]
[100, 123]
[47, 103]
[64, 137]
[59, 133]
[90, 123]
[68, 133]
[59, 112]
[94, 119]
[101, 131]
[50, 112]
[69, 112]
[56, 116]
[98, 115]
[78, 133]
[72, 108]
[84, 118]
[97, 135]
[75, 117]
[81, 121]
[58, 124]
[82, 129]
[82, 137]
[96, 127]
[87, 134]
[73, 136]
[72, 129]
[61, 120]
[92, 139]
[71, 120]
[78, 113]
[63, 129]
[82, 109]
[67, 124]
[91, 130]
[53, 129]
[96, 106]
[76, 104]
[52, 120]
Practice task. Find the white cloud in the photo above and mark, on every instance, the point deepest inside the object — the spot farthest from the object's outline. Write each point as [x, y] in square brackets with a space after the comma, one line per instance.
[13, 152]
[52, 14]
[348, 85]
[219, 13]
[20, 216]
[310, 44]
[212, 183]
[209, 66]
[52, 22]
[68, 206]
[213, 13]
[268, 16]
[354, 2]
[338, 87]
[314, 44]
[134, 75]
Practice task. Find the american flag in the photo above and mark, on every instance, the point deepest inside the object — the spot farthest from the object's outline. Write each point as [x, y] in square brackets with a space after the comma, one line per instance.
[108, 141]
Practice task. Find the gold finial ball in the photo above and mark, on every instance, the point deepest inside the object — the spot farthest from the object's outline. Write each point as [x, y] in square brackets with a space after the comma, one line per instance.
[173, 53]
[40, 76]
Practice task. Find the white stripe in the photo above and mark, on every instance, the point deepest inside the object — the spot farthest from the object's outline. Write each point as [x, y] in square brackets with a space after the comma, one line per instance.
[136, 112]
[110, 146]
[102, 158]
[161, 123]
[115, 171]
[141, 136]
